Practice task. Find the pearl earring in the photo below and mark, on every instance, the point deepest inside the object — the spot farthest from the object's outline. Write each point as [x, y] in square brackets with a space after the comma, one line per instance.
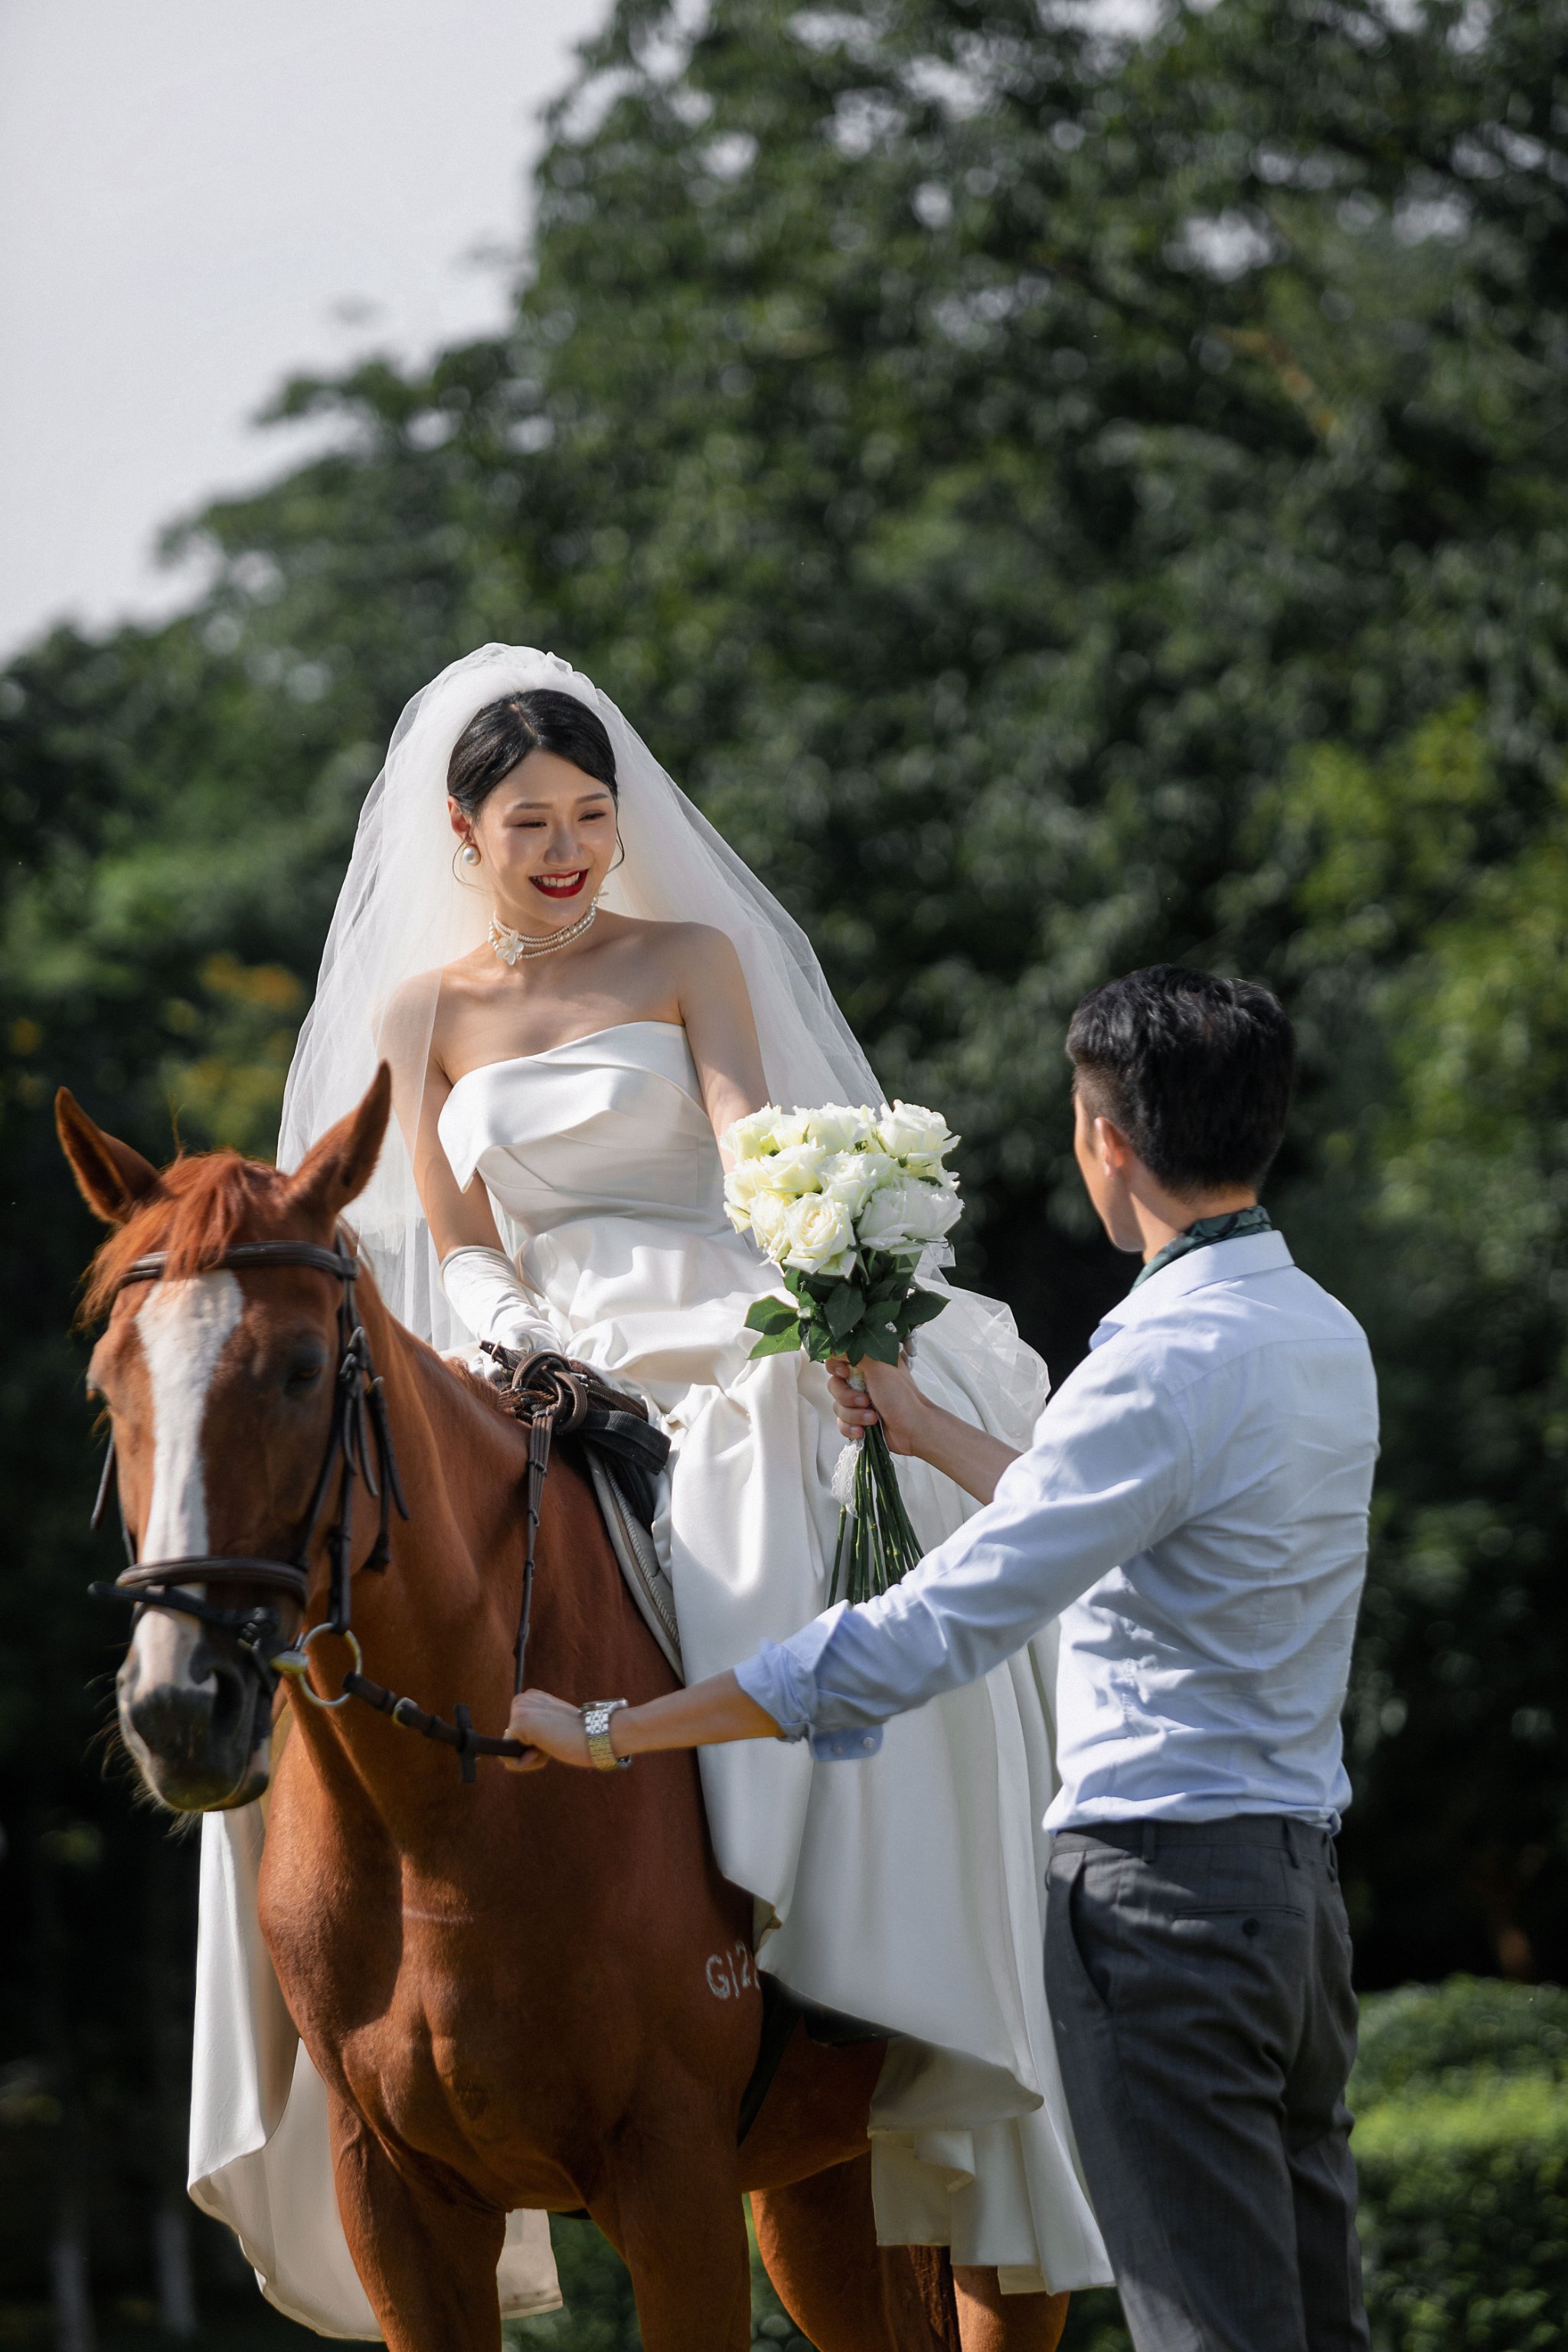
[470, 854]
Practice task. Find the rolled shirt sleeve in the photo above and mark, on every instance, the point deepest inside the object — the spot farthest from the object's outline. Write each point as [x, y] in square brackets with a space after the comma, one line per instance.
[1110, 1471]
[781, 1678]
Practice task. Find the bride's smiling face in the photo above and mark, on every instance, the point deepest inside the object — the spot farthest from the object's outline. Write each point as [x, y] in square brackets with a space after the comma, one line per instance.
[546, 840]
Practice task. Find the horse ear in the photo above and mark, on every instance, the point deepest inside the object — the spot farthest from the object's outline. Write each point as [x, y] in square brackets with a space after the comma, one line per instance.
[337, 1168]
[114, 1179]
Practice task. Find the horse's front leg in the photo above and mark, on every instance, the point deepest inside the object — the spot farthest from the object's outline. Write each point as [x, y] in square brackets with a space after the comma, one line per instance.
[670, 2204]
[428, 2261]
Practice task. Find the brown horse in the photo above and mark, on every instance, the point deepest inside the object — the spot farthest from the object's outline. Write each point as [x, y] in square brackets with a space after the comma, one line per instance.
[512, 1989]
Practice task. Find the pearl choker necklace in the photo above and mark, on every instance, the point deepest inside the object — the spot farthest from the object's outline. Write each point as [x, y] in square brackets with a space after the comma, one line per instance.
[509, 944]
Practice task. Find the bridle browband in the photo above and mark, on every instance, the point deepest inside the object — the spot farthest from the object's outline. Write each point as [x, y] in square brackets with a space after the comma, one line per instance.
[547, 1393]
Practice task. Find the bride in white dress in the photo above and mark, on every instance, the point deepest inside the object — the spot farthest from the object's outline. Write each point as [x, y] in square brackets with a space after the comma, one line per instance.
[580, 987]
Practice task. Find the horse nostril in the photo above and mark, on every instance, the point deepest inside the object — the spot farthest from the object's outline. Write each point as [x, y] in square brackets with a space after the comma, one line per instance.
[193, 1743]
[173, 1723]
[206, 1664]
[232, 1699]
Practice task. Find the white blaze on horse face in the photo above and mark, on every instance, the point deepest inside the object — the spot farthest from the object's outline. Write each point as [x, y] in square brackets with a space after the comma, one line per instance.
[184, 1329]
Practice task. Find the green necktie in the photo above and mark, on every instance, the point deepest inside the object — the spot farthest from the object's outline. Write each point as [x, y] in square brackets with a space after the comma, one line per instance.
[1231, 1227]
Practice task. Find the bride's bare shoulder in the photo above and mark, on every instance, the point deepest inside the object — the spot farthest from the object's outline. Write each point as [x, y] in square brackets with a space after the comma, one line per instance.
[690, 947]
[418, 1007]
[421, 991]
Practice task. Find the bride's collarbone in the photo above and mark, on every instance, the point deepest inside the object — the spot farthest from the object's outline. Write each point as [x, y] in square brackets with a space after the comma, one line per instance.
[490, 1012]
[470, 1045]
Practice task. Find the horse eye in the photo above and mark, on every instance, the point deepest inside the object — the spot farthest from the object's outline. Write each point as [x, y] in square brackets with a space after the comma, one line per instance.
[301, 1378]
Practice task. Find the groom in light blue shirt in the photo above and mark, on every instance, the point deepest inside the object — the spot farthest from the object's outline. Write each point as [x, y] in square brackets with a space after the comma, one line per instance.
[1205, 1474]
[1195, 1508]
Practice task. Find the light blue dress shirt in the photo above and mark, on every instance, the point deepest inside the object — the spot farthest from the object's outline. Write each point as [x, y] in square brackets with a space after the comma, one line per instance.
[1195, 1509]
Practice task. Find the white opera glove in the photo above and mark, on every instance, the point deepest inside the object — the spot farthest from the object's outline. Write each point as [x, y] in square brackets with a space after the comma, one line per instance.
[483, 1291]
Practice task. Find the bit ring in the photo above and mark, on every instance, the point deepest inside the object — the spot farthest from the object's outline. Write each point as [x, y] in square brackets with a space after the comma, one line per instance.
[296, 1665]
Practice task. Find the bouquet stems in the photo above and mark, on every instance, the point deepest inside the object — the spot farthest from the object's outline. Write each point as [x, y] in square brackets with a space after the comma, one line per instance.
[877, 1545]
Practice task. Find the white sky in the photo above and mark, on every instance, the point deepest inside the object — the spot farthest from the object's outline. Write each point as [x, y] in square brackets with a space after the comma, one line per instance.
[198, 197]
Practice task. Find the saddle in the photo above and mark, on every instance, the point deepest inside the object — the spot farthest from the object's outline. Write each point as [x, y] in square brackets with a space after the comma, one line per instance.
[624, 1457]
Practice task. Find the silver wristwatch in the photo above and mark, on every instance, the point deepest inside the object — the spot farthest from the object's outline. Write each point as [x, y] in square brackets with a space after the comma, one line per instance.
[596, 1724]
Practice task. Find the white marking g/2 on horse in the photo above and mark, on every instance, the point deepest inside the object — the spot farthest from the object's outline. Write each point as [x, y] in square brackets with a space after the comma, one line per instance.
[186, 1714]
[729, 1973]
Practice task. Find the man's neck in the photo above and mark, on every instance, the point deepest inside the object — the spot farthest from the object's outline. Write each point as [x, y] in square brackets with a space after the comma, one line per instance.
[1161, 1217]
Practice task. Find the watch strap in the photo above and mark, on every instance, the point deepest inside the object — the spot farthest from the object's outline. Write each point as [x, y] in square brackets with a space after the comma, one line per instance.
[596, 1717]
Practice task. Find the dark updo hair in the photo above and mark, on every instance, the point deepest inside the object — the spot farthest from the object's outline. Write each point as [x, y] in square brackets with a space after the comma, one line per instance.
[505, 733]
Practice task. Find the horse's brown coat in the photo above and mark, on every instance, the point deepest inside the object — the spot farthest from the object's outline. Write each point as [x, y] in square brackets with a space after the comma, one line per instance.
[507, 1989]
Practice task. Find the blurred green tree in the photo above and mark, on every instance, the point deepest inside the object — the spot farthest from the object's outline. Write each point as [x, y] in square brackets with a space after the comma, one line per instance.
[1060, 498]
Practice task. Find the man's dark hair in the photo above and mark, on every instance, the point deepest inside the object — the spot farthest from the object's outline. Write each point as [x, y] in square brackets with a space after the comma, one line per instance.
[1197, 1072]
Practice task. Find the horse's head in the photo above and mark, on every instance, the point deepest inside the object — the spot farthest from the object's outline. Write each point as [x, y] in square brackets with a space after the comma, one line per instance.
[220, 1386]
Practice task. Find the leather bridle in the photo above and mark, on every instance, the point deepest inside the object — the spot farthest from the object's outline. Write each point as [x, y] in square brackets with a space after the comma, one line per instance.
[547, 1393]
[357, 1401]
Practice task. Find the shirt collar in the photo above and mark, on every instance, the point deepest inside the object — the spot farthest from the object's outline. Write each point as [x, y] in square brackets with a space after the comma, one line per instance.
[1229, 1261]
[1229, 1226]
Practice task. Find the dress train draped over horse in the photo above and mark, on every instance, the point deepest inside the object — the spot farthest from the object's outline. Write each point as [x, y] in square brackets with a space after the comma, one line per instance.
[906, 1889]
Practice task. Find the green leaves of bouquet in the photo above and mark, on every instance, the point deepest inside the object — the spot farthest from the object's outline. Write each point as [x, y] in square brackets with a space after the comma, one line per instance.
[834, 1317]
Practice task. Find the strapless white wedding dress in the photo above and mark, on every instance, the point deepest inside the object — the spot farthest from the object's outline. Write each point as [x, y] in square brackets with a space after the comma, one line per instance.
[907, 1888]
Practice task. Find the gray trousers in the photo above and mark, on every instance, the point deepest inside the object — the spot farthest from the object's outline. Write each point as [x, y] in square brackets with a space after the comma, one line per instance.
[1199, 1980]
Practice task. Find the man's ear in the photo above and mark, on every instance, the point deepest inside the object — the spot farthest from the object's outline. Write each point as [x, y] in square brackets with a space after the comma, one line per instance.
[339, 1167]
[114, 1179]
[1111, 1147]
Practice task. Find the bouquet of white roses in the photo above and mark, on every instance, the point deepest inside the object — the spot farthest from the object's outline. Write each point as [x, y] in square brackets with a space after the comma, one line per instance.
[844, 1201]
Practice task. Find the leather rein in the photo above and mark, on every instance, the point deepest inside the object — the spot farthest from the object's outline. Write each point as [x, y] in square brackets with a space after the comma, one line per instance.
[547, 1393]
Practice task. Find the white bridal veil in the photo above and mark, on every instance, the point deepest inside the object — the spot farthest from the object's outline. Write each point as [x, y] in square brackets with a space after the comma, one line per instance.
[404, 911]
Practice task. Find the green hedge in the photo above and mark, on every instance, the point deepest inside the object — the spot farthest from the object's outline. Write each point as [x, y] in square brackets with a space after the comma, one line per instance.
[1457, 2036]
[1461, 2097]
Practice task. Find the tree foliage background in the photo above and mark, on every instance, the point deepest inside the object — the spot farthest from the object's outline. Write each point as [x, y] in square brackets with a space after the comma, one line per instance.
[1060, 499]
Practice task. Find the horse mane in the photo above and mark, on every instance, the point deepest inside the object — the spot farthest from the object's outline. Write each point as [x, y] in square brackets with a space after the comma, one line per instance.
[202, 1202]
